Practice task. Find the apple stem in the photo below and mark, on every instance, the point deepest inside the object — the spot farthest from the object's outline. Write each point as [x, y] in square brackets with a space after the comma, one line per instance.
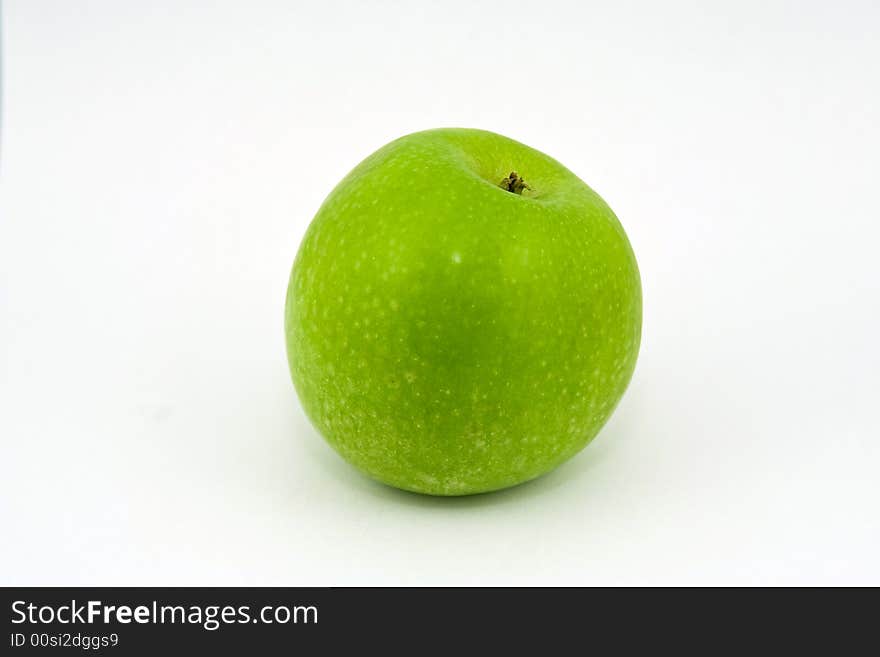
[513, 183]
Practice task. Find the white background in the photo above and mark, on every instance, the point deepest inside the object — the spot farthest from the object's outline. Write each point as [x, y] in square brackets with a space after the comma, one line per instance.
[161, 161]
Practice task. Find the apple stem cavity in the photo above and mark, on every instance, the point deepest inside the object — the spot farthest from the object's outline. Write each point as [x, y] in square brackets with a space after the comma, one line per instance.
[513, 183]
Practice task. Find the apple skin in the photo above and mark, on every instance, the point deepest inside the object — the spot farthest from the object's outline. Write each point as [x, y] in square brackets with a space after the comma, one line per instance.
[448, 336]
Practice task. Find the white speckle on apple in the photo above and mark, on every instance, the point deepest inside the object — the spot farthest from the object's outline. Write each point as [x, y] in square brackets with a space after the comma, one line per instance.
[456, 257]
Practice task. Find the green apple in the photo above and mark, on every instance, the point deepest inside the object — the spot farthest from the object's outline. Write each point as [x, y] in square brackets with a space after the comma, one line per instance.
[463, 315]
